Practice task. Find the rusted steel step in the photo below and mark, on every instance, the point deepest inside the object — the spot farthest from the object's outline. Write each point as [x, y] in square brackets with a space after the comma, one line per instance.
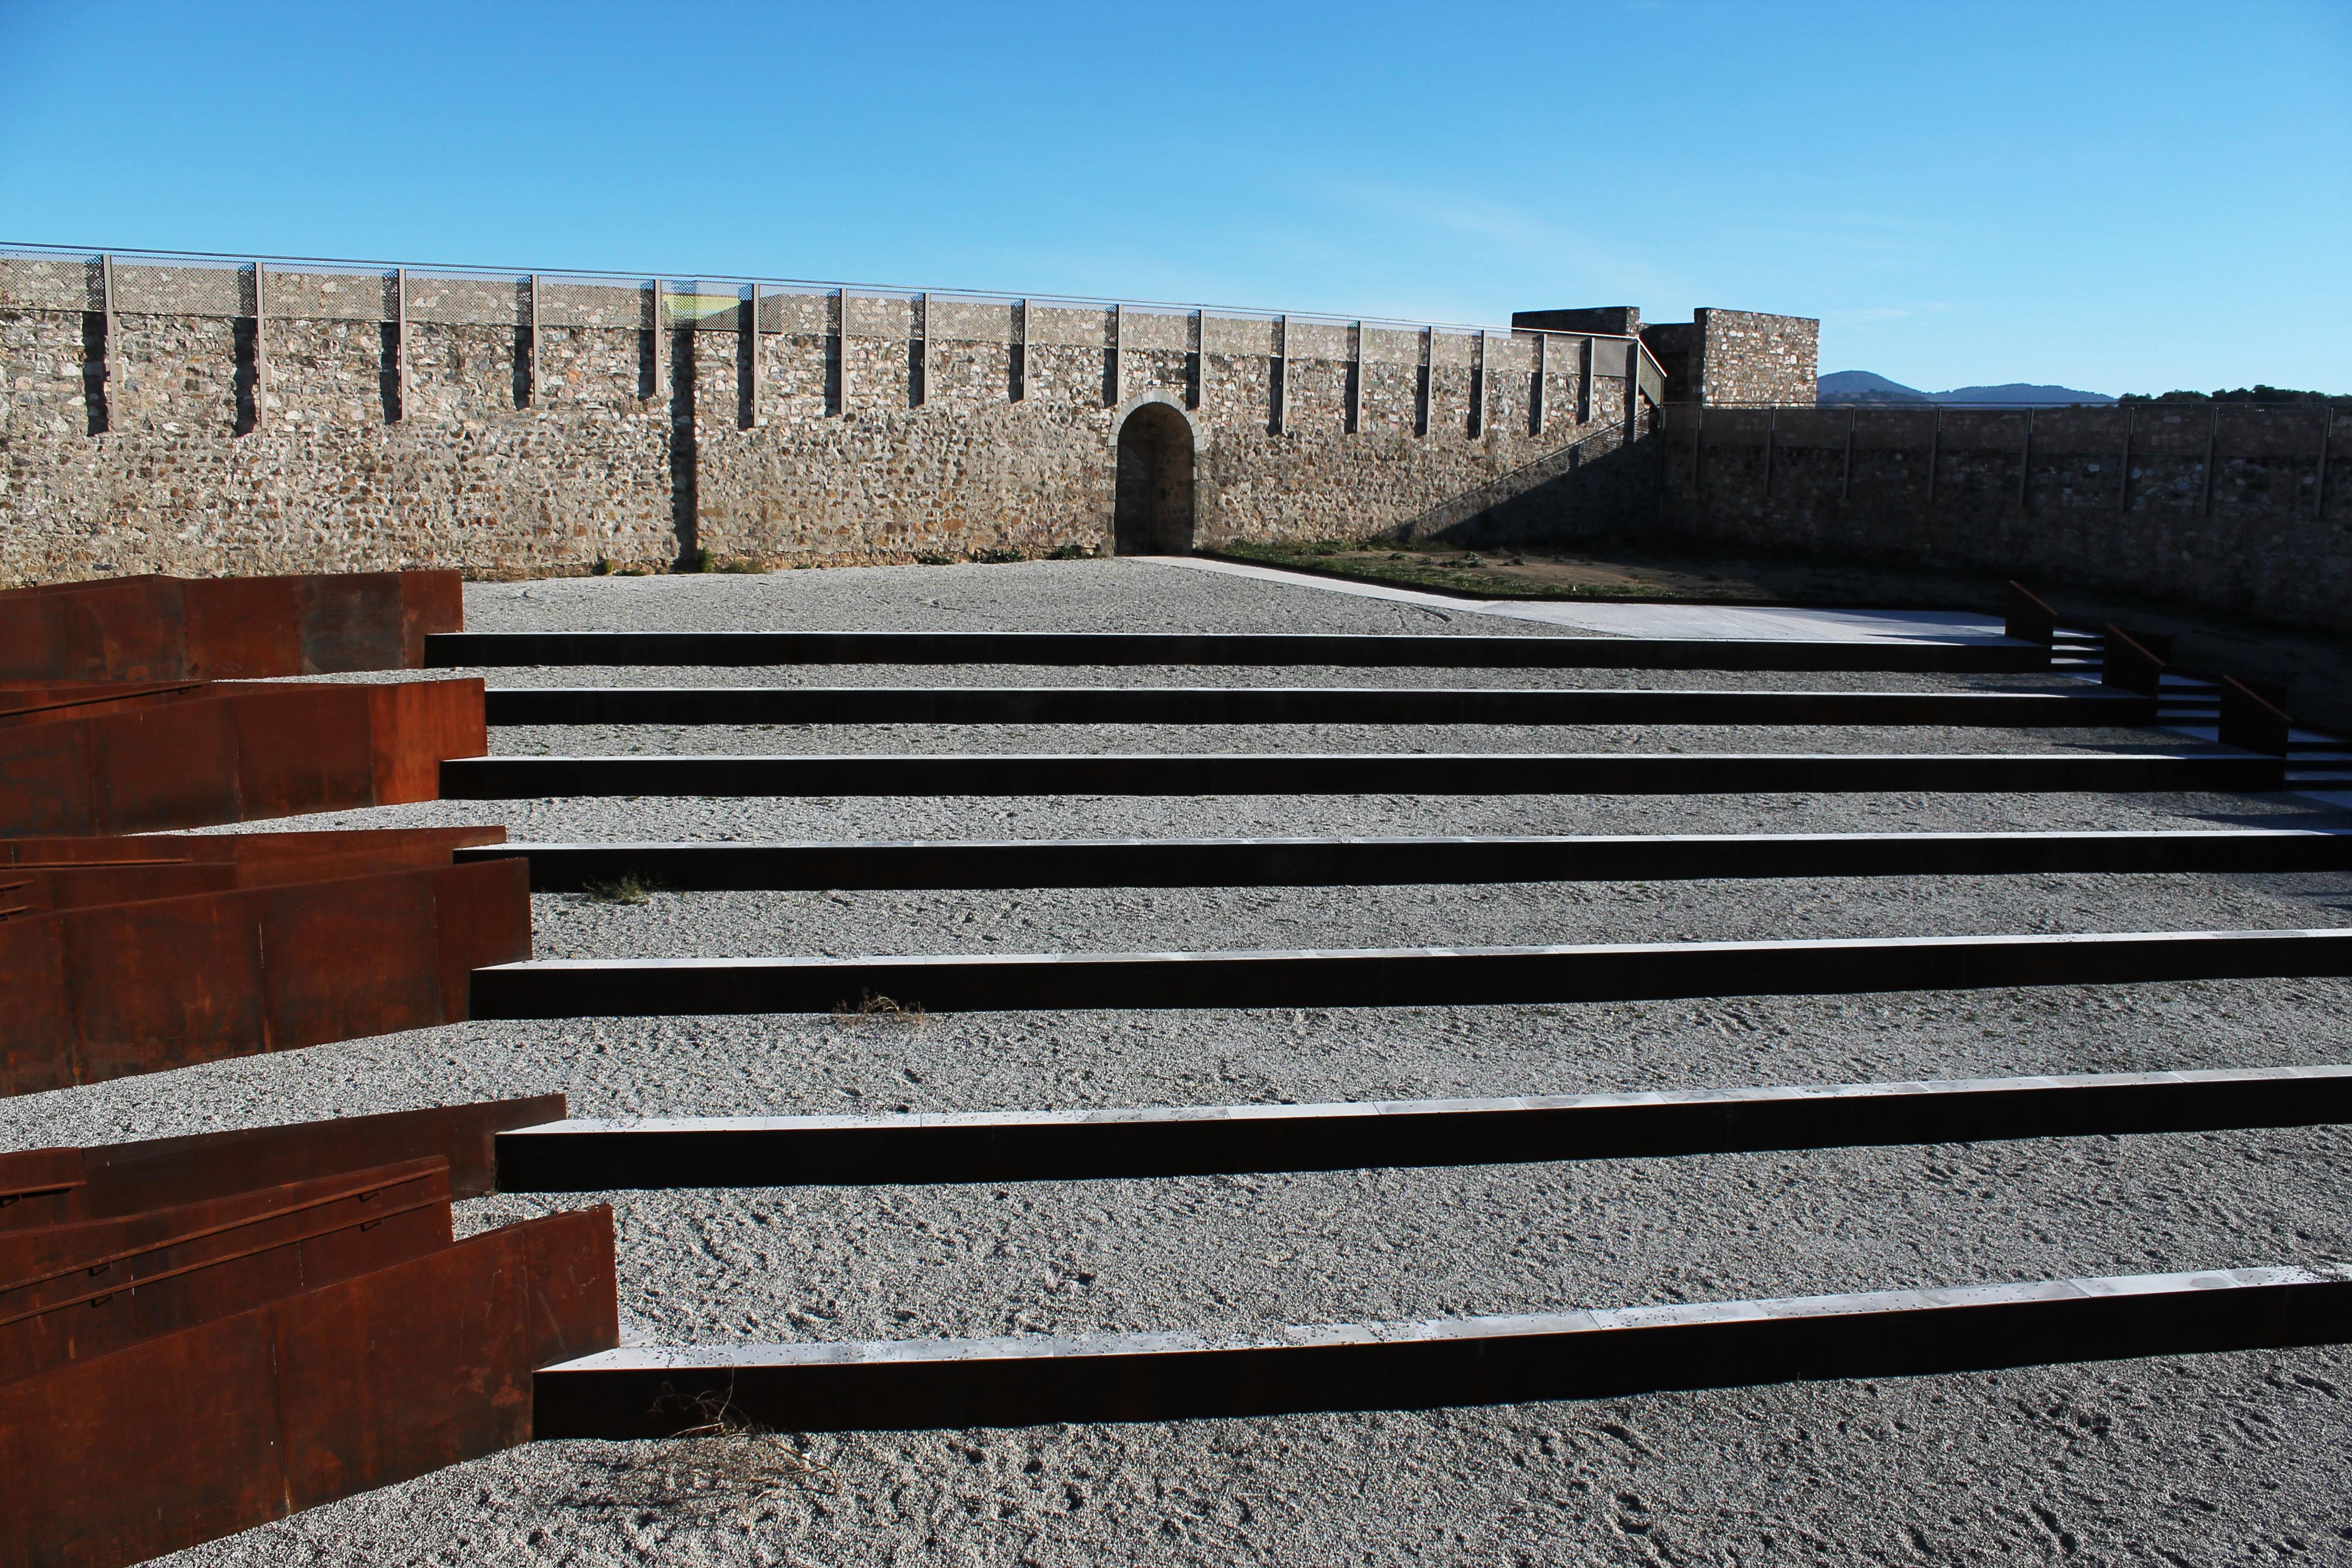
[1034, 1379]
[1378, 977]
[379, 1378]
[703, 866]
[104, 1181]
[167, 628]
[1207, 774]
[110, 990]
[1292, 705]
[234, 754]
[595, 1155]
[72, 1291]
[474, 650]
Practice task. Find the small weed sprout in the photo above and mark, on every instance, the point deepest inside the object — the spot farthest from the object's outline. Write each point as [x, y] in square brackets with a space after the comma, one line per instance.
[628, 889]
[872, 1009]
[723, 1460]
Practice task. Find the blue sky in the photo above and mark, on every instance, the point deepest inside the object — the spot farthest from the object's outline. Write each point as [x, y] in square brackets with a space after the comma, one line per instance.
[2120, 197]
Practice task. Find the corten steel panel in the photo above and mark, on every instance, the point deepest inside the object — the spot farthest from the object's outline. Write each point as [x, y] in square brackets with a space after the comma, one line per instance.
[431, 604]
[572, 1307]
[261, 858]
[28, 890]
[1368, 861]
[398, 1373]
[416, 724]
[50, 702]
[174, 765]
[511, 649]
[124, 1178]
[164, 983]
[1207, 1139]
[36, 1045]
[264, 857]
[1278, 773]
[243, 628]
[481, 917]
[48, 783]
[123, 1457]
[2029, 619]
[41, 1187]
[373, 1380]
[2252, 720]
[302, 749]
[235, 752]
[1034, 1379]
[350, 958]
[127, 628]
[2130, 664]
[1378, 977]
[1297, 705]
[80, 1289]
[138, 628]
[355, 622]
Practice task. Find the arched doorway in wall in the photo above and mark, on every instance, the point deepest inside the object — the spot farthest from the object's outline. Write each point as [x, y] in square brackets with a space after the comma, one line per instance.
[1152, 511]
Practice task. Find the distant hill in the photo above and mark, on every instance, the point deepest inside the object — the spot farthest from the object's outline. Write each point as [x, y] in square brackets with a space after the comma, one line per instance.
[1845, 387]
[1863, 387]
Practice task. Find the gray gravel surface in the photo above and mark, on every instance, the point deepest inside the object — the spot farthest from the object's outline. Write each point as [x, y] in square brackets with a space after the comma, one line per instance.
[1221, 674]
[1035, 595]
[1178, 740]
[2221, 1460]
[622, 818]
[2224, 1460]
[1114, 919]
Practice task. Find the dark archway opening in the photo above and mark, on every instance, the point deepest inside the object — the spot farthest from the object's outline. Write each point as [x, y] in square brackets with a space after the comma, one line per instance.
[1153, 510]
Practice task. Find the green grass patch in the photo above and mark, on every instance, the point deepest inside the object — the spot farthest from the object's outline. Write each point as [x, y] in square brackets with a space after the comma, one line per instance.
[1411, 568]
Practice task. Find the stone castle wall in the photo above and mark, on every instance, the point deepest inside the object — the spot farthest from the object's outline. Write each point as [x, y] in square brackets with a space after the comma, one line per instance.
[2230, 507]
[377, 420]
[1746, 356]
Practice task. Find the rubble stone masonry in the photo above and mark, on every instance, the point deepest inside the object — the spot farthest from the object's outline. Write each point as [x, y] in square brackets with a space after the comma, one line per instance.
[2231, 507]
[380, 420]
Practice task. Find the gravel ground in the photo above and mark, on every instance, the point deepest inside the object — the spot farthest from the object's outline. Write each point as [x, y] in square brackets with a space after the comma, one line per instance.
[1280, 675]
[1035, 595]
[1151, 919]
[2231, 1458]
[1178, 740]
[619, 818]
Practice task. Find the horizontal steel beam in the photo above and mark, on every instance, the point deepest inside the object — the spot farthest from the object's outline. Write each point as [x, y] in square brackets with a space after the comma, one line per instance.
[1292, 705]
[592, 1155]
[1605, 972]
[470, 650]
[522, 777]
[1329, 862]
[1037, 1378]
